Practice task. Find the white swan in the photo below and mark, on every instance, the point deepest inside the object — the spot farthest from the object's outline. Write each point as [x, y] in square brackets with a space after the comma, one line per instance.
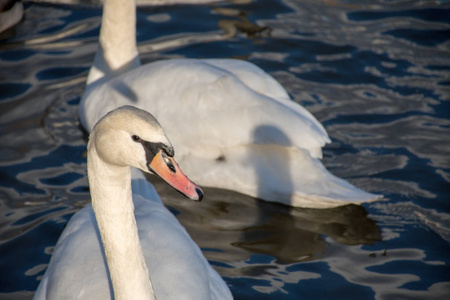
[176, 267]
[238, 127]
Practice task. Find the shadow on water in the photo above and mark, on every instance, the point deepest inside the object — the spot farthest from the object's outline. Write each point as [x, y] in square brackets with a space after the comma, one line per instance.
[250, 226]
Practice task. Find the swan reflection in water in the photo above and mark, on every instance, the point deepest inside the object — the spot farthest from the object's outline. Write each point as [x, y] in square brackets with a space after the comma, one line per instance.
[247, 226]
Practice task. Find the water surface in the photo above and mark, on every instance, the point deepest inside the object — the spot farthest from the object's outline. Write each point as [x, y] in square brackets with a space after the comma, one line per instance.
[375, 74]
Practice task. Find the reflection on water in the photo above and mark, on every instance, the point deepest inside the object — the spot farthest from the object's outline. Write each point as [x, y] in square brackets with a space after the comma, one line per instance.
[375, 74]
[247, 226]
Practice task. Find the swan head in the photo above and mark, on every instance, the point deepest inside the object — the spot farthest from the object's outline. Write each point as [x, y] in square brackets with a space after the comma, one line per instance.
[128, 136]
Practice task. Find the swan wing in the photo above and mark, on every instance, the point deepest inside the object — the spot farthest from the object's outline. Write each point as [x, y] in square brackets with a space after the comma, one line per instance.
[77, 266]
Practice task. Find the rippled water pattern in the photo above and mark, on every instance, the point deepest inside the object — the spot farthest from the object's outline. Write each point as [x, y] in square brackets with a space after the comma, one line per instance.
[376, 74]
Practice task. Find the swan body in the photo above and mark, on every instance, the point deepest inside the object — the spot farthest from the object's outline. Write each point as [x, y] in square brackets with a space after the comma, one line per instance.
[235, 125]
[149, 255]
[240, 134]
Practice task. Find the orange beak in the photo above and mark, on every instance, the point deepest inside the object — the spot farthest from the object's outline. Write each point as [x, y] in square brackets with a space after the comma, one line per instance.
[167, 168]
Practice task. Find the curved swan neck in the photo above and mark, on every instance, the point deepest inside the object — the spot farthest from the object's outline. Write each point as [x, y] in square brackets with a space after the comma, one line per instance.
[112, 202]
[117, 50]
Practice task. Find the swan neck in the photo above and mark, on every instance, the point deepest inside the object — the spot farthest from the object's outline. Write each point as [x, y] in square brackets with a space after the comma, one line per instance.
[114, 211]
[117, 51]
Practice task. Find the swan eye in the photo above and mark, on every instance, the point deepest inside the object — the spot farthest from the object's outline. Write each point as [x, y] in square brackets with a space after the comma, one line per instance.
[136, 138]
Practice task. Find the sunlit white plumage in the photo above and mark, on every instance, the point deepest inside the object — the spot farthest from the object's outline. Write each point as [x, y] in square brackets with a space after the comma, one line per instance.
[238, 128]
[79, 269]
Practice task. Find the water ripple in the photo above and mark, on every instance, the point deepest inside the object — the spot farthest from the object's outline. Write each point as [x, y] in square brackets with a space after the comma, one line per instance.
[375, 73]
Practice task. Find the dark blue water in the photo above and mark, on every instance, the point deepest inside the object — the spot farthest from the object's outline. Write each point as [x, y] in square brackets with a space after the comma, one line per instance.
[376, 74]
